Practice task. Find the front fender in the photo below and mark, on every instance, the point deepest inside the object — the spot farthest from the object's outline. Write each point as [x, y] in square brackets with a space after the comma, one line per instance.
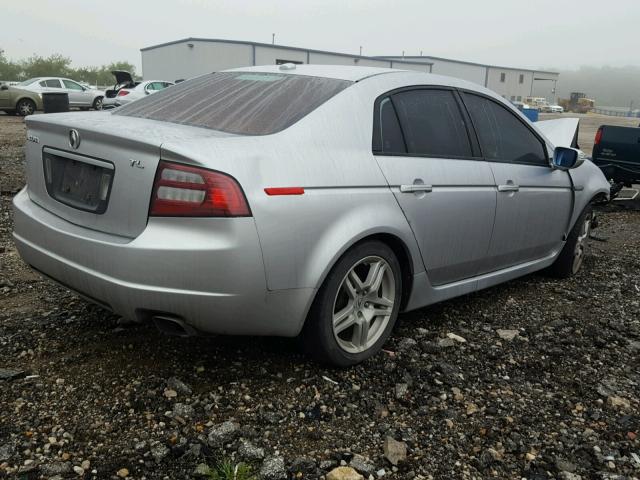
[588, 182]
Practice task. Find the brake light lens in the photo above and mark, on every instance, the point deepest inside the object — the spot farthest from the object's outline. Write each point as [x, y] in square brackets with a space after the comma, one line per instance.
[122, 93]
[598, 137]
[185, 191]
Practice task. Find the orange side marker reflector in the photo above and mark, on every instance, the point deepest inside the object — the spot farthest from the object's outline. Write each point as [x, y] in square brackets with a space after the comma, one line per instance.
[284, 191]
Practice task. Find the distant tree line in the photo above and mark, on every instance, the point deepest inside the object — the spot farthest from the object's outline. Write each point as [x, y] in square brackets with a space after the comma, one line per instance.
[57, 65]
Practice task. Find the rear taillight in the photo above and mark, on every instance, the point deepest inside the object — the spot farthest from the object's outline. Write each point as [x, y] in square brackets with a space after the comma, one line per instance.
[598, 137]
[184, 191]
[122, 93]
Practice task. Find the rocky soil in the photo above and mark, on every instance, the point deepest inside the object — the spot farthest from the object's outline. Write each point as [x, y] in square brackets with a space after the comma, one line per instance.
[535, 379]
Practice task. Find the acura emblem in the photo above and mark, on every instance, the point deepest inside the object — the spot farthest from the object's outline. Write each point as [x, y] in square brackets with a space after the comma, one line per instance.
[74, 139]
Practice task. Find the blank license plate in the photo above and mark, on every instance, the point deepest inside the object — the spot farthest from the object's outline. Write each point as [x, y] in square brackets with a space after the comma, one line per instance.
[79, 184]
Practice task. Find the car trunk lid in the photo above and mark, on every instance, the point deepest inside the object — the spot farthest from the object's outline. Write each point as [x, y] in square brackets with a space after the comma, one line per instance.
[96, 170]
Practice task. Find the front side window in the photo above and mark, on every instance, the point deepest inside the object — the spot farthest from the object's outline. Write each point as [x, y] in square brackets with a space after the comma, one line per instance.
[432, 123]
[503, 137]
[243, 103]
[72, 85]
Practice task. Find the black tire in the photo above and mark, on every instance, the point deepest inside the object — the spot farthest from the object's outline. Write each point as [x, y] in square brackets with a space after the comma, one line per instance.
[25, 107]
[318, 337]
[97, 103]
[570, 260]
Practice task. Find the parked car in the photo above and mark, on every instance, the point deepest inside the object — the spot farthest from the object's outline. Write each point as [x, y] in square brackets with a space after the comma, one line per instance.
[79, 96]
[19, 101]
[616, 150]
[519, 105]
[127, 90]
[555, 109]
[300, 200]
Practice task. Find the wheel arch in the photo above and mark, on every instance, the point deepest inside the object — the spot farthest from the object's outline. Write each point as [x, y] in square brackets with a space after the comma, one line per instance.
[35, 104]
[406, 257]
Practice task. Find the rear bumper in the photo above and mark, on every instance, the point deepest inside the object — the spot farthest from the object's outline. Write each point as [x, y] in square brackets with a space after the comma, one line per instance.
[208, 272]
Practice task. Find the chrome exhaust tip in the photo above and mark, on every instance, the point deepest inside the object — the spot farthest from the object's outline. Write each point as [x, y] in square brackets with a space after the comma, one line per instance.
[173, 326]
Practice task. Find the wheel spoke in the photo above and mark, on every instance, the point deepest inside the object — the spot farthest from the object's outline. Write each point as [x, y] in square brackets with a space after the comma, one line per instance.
[375, 276]
[379, 300]
[344, 319]
[350, 288]
[355, 281]
[361, 333]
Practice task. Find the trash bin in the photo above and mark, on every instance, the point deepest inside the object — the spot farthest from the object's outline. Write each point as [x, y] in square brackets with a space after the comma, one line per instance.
[54, 102]
[531, 113]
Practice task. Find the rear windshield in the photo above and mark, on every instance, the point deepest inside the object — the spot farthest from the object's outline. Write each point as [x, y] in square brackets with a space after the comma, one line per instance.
[237, 102]
[28, 82]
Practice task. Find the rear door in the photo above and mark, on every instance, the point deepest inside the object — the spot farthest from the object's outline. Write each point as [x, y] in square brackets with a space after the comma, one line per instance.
[424, 149]
[535, 202]
[49, 85]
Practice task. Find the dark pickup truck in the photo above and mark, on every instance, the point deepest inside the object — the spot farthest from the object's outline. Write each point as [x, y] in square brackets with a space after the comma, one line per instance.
[616, 151]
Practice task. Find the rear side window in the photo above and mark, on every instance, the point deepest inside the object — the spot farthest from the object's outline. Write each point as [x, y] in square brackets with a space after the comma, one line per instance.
[387, 137]
[51, 83]
[238, 102]
[502, 136]
[432, 123]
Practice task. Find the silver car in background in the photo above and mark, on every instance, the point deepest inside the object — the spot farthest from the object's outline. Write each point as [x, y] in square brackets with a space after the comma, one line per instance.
[300, 200]
[126, 89]
[79, 96]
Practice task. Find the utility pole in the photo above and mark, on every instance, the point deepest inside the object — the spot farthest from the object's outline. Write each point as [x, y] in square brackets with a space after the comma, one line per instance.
[273, 39]
[360, 50]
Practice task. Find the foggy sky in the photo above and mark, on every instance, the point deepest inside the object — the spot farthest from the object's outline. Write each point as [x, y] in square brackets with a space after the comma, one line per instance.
[560, 34]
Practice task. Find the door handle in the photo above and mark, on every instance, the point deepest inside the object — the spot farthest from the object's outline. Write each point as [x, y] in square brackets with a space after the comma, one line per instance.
[416, 187]
[508, 188]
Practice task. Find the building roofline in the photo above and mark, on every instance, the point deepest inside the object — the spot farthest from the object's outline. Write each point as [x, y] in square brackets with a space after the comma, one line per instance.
[271, 45]
[399, 57]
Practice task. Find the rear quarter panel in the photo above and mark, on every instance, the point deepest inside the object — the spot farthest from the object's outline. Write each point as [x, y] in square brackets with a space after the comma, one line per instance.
[346, 195]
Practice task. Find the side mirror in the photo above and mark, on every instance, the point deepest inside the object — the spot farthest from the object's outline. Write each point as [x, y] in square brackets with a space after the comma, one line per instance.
[4, 87]
[565, 158]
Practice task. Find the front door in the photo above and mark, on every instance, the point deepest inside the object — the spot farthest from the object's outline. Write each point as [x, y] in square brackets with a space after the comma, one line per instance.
[535, 202]
[423, 147]
[78, 96]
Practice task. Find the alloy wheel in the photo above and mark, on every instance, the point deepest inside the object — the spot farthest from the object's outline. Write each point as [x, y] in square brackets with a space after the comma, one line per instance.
[25, 108]
[363, 304]
[581, 244]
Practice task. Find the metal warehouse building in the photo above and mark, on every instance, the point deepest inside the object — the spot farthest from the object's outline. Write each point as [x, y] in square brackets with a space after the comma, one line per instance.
[190, 57]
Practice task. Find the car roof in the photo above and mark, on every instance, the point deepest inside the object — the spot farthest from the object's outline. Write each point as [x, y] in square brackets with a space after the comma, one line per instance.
[339, 72]
[356, 74]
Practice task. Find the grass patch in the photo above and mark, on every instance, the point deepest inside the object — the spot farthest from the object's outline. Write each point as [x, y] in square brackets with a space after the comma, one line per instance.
[228, 470]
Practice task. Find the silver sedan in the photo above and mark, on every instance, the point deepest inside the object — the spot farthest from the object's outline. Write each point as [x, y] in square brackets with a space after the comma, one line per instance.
[307, 200]
[80, 96]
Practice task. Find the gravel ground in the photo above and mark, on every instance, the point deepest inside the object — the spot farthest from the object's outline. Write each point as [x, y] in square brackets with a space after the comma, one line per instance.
[535, 379]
